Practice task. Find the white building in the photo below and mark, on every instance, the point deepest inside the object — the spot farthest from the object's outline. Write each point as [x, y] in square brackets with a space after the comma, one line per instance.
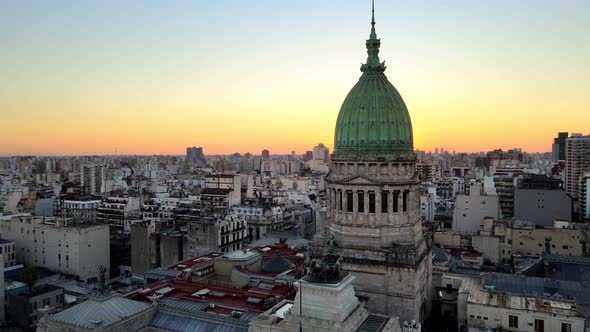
[261, 220]
[119, 211]
[81, 209]
[427, 203]
[483, 303]
[59, 244]
[471, 209]
[222, 191]
[321, 153]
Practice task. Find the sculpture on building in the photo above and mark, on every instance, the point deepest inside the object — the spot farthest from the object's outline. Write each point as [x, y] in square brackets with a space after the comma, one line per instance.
[327, 269]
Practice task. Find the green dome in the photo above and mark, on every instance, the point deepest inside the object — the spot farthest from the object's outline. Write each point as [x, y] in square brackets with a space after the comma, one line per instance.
[373, 122]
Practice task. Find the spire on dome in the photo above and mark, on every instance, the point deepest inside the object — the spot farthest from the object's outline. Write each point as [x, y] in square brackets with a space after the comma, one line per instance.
[373, 33]
[373, 44]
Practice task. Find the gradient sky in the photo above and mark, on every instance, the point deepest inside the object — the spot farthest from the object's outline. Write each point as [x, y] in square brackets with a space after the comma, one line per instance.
[152, 77]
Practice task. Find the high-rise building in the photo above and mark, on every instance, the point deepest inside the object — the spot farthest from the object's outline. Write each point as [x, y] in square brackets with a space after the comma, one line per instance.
[558, 147]
[92, 179]
[265, 154]
[321, 153]
[195, 155]
[577, 162]
[308, 156]
[374, 197]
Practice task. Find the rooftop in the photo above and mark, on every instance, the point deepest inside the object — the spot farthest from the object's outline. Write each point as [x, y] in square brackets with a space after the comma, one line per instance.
[18, 274]
[177, 315]
[196, 262]
[241, 255]
[100, 312]
[244, 299]
[41, 290]
[293, 239]
[572, 268]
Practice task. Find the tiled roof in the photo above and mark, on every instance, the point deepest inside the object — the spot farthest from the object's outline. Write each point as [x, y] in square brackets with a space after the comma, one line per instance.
[106, 311]
[178, 315]
[18, 274]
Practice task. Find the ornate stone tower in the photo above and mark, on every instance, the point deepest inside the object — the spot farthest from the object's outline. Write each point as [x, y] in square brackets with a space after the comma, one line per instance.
[373, 197]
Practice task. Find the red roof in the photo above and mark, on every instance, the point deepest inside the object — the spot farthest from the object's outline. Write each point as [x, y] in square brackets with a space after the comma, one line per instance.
[253, 299]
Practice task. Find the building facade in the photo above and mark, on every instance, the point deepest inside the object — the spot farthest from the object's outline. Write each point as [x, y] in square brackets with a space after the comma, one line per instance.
[195, 155]
[7, 250]
[119, 212]
[205, 235]
[59, 244]
[373, 194]
[577, 162]
[221, 192]
[558, 147]
[584, 197]
[26, 308]
[81, 208]
[92, 178]
[542, 201]
[470, 210]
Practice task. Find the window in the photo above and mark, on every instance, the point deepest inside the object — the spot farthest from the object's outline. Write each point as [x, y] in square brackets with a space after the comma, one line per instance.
[395, 201]
[384, 202]
[349, 201]
[340, 199]
[361, 201]
[539, 325]
[513, 321]
[405, 201]
[566, 327]
[334, 199]
[371, 202]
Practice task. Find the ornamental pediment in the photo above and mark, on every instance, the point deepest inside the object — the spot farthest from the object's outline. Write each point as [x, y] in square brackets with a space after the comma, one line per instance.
[360, 180]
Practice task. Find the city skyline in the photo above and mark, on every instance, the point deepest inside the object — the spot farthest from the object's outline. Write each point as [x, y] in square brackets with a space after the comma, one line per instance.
[155, 79]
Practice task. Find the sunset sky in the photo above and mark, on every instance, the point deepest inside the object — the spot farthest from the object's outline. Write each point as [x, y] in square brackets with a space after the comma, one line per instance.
[153, 77]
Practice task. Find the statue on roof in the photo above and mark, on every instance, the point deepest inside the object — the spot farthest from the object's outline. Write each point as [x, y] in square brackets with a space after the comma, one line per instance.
[328, 269]
[101, 287]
